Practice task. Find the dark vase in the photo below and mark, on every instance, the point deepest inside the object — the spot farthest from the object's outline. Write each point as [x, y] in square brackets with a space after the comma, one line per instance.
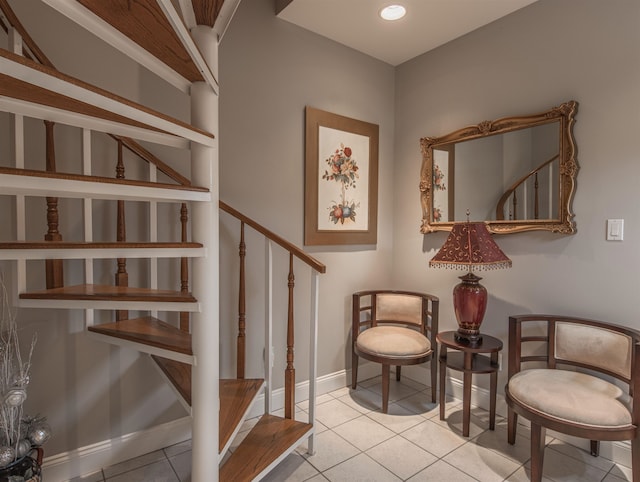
[25, 469]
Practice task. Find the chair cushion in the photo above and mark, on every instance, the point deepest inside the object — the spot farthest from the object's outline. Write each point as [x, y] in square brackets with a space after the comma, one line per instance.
[572, 397]
[393, 341]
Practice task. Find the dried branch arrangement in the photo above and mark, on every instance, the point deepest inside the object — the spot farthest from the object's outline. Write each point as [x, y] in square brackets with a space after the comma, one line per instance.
[19, 434]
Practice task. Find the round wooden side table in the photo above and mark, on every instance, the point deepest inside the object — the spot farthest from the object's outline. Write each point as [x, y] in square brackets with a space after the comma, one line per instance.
[469, 360]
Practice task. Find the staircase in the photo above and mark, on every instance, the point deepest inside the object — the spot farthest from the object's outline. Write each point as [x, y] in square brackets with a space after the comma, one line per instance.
[522, 199]
[30, 86]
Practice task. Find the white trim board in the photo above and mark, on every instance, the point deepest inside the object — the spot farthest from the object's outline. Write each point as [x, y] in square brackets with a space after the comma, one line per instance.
[91, 458]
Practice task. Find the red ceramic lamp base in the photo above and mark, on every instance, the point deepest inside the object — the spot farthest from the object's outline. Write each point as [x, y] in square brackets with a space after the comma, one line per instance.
[470, 303]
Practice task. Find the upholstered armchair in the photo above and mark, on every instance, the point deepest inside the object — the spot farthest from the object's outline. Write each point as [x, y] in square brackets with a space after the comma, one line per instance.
[596, 404]
[394, 328]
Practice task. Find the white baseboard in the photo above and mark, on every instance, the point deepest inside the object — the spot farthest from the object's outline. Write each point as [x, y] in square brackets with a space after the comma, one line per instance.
[89, 459]
[324, 384]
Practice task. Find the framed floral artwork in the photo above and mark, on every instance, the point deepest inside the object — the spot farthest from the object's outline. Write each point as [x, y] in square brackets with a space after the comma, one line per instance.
[341, 180]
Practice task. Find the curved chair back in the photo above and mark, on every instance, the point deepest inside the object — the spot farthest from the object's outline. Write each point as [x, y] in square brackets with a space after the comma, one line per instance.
[602, 410]
[392, 318]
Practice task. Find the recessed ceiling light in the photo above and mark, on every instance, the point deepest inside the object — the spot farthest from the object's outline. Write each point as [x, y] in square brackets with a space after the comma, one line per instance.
[393, 12]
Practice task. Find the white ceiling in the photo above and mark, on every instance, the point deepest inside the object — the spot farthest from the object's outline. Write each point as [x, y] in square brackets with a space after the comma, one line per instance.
[428, 23]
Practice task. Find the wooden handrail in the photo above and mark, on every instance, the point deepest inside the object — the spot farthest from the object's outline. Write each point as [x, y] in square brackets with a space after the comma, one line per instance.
[508, 192]
[26, 38]
[147, 156]
[316, 266]
[291, 248]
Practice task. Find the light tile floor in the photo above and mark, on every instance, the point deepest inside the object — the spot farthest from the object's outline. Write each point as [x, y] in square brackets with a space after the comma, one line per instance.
[356, 442]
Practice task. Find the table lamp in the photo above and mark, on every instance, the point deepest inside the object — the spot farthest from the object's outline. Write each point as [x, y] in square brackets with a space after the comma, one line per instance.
[470, 245]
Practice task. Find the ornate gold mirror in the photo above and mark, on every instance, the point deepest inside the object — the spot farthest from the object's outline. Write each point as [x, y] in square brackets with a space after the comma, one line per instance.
[516, 174]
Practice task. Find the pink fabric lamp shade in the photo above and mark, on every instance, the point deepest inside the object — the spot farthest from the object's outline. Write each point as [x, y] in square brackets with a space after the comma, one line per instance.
[470, 245]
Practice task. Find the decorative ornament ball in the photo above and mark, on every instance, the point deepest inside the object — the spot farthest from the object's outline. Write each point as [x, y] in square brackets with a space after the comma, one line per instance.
[39, 433]
[20, 380]
[15, 397]
[7, 455]
[23, 448]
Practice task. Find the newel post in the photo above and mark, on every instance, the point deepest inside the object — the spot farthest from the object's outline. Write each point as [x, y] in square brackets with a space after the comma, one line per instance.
[205, 324]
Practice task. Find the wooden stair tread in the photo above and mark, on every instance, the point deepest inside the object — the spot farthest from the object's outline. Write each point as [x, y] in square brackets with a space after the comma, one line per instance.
[149, 331]
[108, 293]
[95, 245]
[106, 180]
[178, 373]
[236, 395]
[25, 80]
[270, 438]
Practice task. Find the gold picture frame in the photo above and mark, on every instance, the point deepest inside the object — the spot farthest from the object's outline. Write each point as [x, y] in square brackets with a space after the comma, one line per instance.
[341, 180]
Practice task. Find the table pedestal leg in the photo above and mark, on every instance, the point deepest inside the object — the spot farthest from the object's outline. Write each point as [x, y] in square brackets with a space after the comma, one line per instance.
[492, 397]
[466, 394]
[443, 373]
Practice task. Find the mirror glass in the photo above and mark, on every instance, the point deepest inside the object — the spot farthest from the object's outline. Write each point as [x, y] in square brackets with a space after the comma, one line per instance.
[516, 174]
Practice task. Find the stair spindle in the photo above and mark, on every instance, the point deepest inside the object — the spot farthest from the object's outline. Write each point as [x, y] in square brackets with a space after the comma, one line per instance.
[240, 362]
[290, 372]
[53, 267]
[184, 267]
[515, 204]
[536, 214]
[122, 277]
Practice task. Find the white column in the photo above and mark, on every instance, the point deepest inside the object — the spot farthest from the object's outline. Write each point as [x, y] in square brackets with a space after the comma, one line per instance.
[205, 324]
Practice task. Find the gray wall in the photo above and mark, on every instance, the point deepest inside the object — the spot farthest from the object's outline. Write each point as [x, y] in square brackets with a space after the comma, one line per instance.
[269, 71]
[545, 54]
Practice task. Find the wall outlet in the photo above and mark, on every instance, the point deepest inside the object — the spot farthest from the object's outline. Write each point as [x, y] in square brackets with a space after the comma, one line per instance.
[499, 362]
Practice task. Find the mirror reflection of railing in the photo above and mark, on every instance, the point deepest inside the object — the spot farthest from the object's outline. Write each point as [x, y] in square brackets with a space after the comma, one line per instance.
[530, 210]
[473, 167]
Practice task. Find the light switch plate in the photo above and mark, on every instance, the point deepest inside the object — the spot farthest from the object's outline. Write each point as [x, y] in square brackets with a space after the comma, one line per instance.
[615, 229]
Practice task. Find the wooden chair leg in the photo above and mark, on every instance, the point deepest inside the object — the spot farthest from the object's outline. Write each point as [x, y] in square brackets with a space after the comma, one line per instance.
[595, 448]
[398, 373]
[354, 370]
[512, 425]
[434, 379]
[386, 372]
[635, 459]
[538, 434]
